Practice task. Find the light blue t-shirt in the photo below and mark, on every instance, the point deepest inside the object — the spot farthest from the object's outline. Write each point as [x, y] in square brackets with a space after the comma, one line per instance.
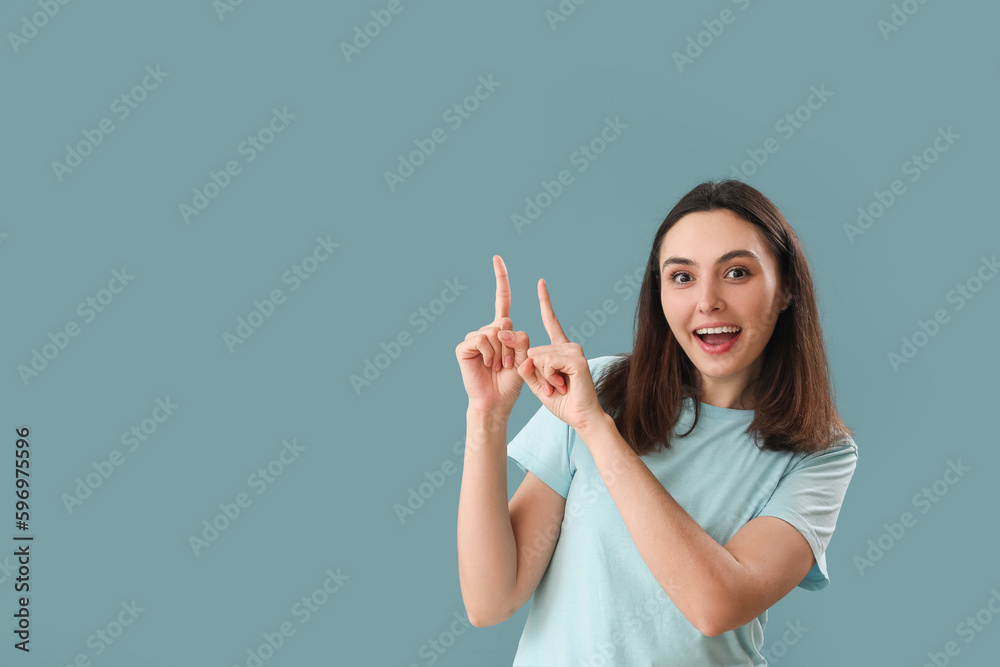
[598, 603]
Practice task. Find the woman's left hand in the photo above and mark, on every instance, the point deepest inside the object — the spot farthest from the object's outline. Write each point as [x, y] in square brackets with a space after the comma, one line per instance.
[559, 375]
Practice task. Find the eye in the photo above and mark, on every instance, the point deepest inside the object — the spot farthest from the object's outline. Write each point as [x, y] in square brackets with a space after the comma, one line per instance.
[673, 277]
[741, 269]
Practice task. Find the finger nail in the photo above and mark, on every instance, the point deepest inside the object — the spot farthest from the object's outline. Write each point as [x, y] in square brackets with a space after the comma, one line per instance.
[508, 361]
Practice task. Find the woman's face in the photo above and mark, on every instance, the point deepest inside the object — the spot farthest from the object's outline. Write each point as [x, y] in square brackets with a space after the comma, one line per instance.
[717, 270]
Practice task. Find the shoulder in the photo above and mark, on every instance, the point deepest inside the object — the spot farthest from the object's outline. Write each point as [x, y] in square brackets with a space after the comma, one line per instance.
[843, 445]
[841, 454]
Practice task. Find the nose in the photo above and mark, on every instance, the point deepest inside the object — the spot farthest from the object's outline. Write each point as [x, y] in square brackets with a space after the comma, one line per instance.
[710, 298]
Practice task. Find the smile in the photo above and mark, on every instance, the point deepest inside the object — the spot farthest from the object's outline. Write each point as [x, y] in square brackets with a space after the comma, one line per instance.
[721, 347]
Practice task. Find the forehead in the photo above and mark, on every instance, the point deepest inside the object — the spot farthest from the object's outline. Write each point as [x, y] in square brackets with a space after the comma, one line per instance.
[706, 235]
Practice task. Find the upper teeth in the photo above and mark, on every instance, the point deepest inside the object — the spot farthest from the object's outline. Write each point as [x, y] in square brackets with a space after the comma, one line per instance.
[711, 330]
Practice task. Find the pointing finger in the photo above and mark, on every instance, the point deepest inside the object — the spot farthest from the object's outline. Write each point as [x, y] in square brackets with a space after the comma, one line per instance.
[503, 287]
[549, 316]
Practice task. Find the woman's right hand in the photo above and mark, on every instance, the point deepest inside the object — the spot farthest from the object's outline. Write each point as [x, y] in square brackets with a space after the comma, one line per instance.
[489, 365]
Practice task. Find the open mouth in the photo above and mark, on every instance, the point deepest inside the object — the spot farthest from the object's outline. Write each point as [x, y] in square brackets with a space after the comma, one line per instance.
[718, 335]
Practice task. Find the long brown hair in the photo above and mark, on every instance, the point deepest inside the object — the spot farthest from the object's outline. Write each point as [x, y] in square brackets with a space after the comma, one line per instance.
[793, 401]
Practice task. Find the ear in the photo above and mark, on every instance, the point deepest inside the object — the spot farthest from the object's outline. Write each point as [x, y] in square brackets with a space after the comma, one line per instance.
[786, 295]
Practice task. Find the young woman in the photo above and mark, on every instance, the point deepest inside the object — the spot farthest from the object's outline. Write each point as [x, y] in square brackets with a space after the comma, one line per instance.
[668, 504]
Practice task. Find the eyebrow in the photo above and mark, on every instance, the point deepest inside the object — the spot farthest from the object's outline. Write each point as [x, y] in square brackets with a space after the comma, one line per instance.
[732, 254]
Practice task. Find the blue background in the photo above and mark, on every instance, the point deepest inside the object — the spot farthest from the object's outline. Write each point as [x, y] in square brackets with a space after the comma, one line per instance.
[323, 176]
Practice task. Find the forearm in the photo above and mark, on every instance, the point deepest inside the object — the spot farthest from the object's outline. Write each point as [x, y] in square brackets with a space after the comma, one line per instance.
[697, 573]
[487, 556]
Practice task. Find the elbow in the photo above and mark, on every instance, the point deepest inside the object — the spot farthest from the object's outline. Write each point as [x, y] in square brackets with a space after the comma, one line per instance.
[480, 621]
[710, 629]
[715, 618]
[713, 625]
[493, 612]
[485, 620]
[481, 617]
[721, 619]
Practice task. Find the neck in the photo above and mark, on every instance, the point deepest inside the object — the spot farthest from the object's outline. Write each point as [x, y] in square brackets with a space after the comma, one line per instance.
[731, 393]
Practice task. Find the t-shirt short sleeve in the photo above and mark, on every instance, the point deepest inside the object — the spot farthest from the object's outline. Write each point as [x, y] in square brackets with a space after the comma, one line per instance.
[544, 447]
[545, 444]
[809, 496]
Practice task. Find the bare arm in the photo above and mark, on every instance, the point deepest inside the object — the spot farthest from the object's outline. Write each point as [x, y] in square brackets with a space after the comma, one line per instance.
[487, 556]
[495, 579]
[503, 548]
[717, 588]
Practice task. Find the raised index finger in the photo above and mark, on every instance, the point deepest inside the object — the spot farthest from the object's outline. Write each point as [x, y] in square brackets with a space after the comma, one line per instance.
[549, 316]
[503, 288]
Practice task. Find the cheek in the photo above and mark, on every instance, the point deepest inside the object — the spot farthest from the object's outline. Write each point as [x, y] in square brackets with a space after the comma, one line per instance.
[673, 312]
[764, 312]
[764, 322]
